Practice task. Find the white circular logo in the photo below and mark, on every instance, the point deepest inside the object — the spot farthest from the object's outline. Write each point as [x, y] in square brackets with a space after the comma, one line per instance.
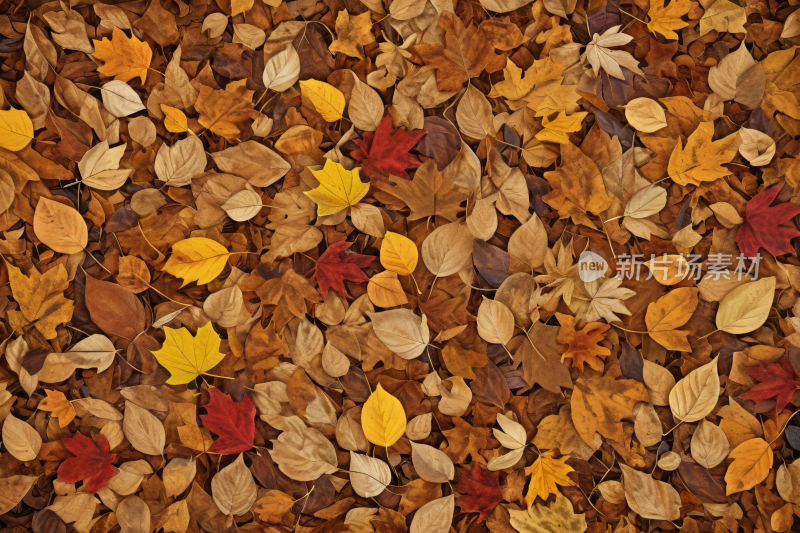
[591, 266]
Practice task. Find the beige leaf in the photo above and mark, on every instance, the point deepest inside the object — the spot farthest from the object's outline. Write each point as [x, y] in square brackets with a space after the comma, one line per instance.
[367, 218]
[527, 246]
[434, 517]
[645, 115]
[407, 9]
[419, 427]
[256, 163]
[365, 107]
[746, 307]
[513, 435]
[334, 362]
[349, 433]
[482, 222]
[495, 322]
[223, 306]
[505, 461]
[403, 332]
[659, 382]
[709, 445]
[96, 351]
[178, 164]
[650, 498]
[669, 461]
[613, 491]
[59, 227]
[129, 477]
[120, 99]
[448, 249]
[250, 36]
[757, 147]
[35, 99]
[144, 431]
[647, 425]
[243, 205]
[696, 395]
[20, 439]
[216, 24]
[474, 114]
[368, 475]
[303, 453]
[431, 464]
[455, 401]
[13, 489]
[725, 77]
[282, 70]
[646, 202]
[178, 475]
[726, 214]
[133, 515]
[142, 130]
[716, 285]
[233, 488]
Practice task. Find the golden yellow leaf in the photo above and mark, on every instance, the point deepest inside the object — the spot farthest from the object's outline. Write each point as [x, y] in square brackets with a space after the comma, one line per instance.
[326, 99]
[702, 159]
[187, 357]
[197, 259]
[752, 461]
[383, 418]
[547, 472]
[16, 129]
[665, 316]
[59, 405]
[665, 20]
[175, 120]
[338, 189]
[352, 30]
[399, 254]
[384, 290]
[555, 131]
[41, 299]
[124, 58]
[240, 6]
[724, 16]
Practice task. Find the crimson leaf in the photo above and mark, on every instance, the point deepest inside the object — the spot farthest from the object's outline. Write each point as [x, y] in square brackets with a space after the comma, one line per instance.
[234, 422]
[336, 265]
[92, 462]
[761, 227]
[776, 380]
[479, 490]
[383, 153]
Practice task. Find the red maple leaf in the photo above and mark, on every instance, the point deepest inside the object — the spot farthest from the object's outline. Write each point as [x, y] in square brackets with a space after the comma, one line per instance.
[761, 227]
[776, 380]
[92, 462]
[234, 422]
[479, 490]
[336, 265]
[383, 153]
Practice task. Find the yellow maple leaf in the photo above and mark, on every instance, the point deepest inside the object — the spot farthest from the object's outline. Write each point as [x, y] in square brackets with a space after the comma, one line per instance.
[547, 472]
[352, 31]
[41, 299]
[187, 357]
[540, 89]
[702, 159]
[59, 405]
[338, 189]
[197, 259]
[124, 58]
[555, 131]
[665, 20]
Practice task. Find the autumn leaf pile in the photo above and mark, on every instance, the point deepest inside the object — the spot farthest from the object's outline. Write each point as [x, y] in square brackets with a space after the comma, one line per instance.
[400, 266]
